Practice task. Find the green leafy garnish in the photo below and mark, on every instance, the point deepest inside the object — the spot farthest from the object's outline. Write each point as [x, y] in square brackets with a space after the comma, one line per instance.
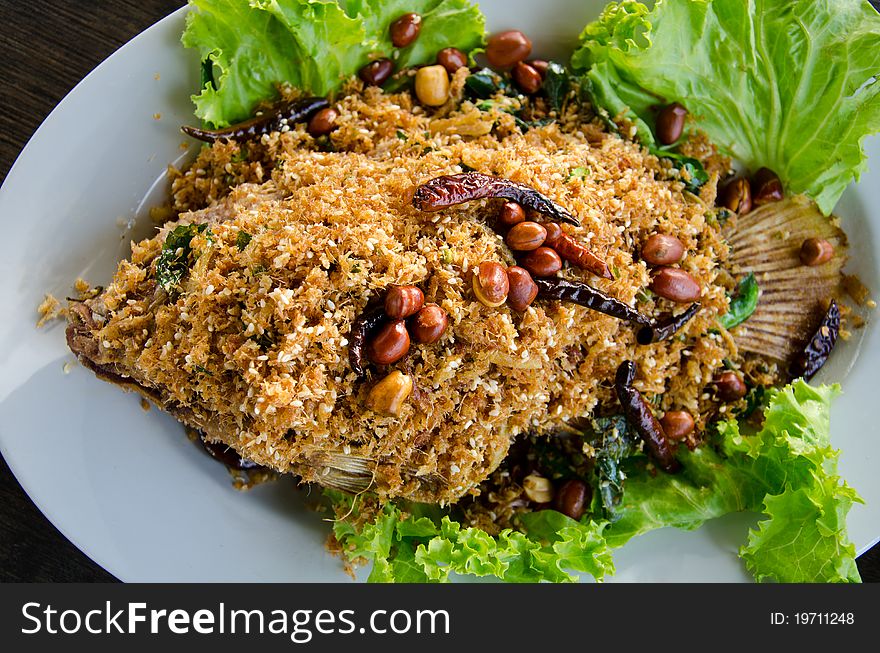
[793, 85]
[743, 303]
[694, 174]
[578, 173]
[251, 46]
[177, 255]
[483, 84]
[614, 443]
[787, 471]
[556, 85]
[242, 240]
[422, 546]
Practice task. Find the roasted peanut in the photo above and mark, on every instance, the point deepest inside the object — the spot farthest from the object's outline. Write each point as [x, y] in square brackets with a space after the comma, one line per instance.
[729, 386]
[376, 72]
[677, 424]
[523, 288]
[766, 187]
[540, 65]
[572, 498]
[429, 324]
[405, 30]
[511, 214]
[542, 262]
[389, 395]
[525, 236]
[390, 344]
[737, 196]
[504, 49]
[662, 249]
[323, 122]
[526, 78]
[403, 301]
[452, 59]
[815, 251]
[675, 285]
[538, 488]
[432, 85]
[554, 233]
[670, 123]
[490, 284]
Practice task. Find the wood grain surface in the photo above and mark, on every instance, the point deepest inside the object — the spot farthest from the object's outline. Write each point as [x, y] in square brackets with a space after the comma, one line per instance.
[45, 49]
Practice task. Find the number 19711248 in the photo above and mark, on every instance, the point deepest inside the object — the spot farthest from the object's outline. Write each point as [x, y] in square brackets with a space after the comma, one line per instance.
[824, 618]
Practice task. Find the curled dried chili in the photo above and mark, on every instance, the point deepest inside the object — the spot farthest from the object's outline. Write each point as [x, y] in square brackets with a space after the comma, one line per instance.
[663, 330]
[286, 114]
[641, 418]
[580, 256]
[369, 320]
[587, 296]
[819, 347]
[451, 190]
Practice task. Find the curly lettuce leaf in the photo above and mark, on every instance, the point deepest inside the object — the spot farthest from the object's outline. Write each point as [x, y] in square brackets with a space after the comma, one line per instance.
[787, 471]
[445, 23]
[407, 547]
[313, 45]
[787, 84]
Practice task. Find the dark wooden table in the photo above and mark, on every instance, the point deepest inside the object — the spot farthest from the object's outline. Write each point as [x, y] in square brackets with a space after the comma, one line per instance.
[45, 49]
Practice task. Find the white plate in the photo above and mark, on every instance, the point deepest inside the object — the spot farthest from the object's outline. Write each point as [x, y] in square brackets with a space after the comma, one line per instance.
[125, 485]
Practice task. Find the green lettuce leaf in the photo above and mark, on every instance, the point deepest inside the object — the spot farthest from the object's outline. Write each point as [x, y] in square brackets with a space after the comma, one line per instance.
[787, 471]
[787, 84]
[313, 45]
[407, 547]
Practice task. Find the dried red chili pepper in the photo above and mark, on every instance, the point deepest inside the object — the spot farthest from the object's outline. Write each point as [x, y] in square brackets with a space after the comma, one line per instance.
[663, 330]
[369, 320]
[577, 254]
[639, 415]
[273, 120]
[819, 347]
[587, 296]
[451, 190]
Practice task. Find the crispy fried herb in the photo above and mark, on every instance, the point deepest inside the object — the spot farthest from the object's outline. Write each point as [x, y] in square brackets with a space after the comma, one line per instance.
[485, 83]
[526, 125]
[556, 85]
[241, 155]
[198, 369]
[559, 456]
[265, 340]
[743, 303]
[756, 398]
[177, 255]
[613, 441]
[242, 240]
[694, 174]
